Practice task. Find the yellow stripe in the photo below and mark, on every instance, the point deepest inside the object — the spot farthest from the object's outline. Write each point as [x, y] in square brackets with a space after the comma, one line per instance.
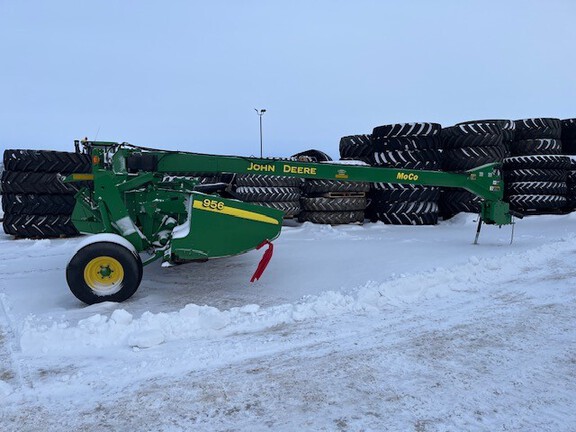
[239, 213]
[82, 176]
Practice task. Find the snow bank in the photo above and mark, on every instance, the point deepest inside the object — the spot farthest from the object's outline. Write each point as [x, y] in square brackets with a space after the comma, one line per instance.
[121, 328]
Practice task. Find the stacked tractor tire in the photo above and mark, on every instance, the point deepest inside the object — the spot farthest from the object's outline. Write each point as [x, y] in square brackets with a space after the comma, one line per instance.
[469, 145]
[35, 200]
[536, 172]
[281, 193]
[333, 202]
[328, 201]
[403, 146]
[569, 148]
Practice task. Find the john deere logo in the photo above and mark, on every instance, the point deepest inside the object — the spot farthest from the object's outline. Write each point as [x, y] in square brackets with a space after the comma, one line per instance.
[260, 167]
[341, 174]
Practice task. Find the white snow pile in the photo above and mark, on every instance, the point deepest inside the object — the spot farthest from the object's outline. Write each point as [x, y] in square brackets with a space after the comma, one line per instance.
[120, 328]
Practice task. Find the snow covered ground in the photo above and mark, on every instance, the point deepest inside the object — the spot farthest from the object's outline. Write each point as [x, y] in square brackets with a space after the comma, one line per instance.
[351, 328]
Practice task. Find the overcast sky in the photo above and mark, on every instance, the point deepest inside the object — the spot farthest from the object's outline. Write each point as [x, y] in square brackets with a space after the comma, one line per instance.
[187, 75]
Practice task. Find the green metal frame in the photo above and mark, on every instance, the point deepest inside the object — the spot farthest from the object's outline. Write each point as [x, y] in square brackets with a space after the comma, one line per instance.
[171, 220]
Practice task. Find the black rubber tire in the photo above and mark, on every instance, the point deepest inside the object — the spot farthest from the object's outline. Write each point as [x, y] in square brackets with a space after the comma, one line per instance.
[462, 159]
[508, 127]
[419, 165]
[38, 204]
[174, 177]
[255, 180]
[537, 162]
[390, 192]
[571, 178]
[290, 208]
[406, 218]
[217, 178]
[336, 204]
[39, 226]
[568, 127]
[454, 201]
[472, 128]
[356, 147]
[571, 185]
[536, 128]
[263, 194]
[535, 175]
[536, 188]
[332, 218]
[406, 130]
[407, 159]
[407, 207]
[318, 187]
[471, 140]
[130, 262]
[536, 202]
[569, 136]
[407, 143]
[39, 183]
[46, 161]
[311, 155]
[536, 147]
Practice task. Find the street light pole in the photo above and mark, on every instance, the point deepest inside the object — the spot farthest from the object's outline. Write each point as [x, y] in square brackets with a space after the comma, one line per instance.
[260, 114]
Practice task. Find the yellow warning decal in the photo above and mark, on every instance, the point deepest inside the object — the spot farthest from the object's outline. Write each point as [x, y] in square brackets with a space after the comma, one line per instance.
[219, 207]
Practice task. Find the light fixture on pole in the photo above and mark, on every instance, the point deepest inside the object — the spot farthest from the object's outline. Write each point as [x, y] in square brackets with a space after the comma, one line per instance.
[260, 114]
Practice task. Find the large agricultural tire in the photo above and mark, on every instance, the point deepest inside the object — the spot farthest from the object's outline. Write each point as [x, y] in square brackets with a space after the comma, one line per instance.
[536, 188]
[332, 218]
[407, 143]
[356, 147]
[453, 201]
[427, 165]
[318, 186]
[264, 194]
[408, 159]
[535, 175]
[537, 128]
[291, 208]
[406, 218]
[536, 147]
[19, 204]
[46, 161]
[311, 155]
[571, 186]
[39, 183]
[537, 162]
[391, 192]
[255, 180]
[406, 130]
[536, 202]
[508, 127]
[409, 207]
[462, 159]
[569, 136]
[473, 128]
[104, 271]
[450, 141]
[336, 204]
[404, 213]
[217, 178]
[39, 226]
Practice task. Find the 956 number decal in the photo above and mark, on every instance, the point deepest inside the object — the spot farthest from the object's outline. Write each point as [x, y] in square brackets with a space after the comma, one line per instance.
[212, 204]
